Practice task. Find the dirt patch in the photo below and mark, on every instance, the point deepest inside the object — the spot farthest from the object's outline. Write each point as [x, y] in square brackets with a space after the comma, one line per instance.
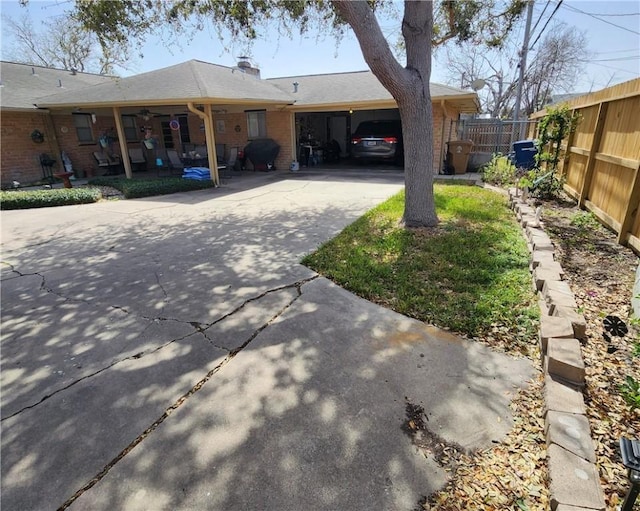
[415, 426]
[601, 274]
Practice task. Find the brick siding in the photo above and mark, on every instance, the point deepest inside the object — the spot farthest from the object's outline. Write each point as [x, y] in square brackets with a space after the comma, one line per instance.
[20, 155]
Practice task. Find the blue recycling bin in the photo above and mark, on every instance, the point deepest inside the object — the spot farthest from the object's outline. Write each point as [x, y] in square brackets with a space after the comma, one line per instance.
[524, 153]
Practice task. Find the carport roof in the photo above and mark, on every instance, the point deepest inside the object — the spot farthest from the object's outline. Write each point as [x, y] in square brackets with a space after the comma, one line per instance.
[193, 80]
[354, 88]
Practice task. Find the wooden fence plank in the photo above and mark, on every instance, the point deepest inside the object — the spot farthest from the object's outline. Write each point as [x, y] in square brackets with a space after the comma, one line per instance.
[617, 160]
[602, 158]
[595, 144]
[632, 208]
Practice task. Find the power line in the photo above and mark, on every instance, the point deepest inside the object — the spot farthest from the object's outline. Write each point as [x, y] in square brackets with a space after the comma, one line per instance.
[615, 68]
[615, 51]
[616, 14]
[540, 17]
[600, 19]
[545, 25]
[632, 57]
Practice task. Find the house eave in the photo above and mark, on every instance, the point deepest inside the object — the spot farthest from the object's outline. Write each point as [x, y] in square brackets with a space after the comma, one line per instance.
[24, 109]
[165, 102]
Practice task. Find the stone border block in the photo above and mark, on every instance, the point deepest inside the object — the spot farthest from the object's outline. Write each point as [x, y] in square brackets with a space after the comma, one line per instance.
[544, 308]
[554, 327]
[571, 432]
[564, 359]
[558, 293]
[566, 507]
[541, 256]
[578, 322]
[560, 287]
[573, 481]
[530, 221]
[542, 274]
[560, 396]
[550, 265]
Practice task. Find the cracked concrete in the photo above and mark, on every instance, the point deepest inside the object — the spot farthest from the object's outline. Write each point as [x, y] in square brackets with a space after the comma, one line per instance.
[171, 353]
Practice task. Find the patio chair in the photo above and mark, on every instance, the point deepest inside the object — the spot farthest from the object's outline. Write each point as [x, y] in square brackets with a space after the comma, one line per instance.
[201, 150]
[111, 162]
[226, 166]
[47, 163]
[137, 159]
[174, 161]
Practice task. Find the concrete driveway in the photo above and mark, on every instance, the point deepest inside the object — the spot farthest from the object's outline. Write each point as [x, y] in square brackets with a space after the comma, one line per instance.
[171, 353]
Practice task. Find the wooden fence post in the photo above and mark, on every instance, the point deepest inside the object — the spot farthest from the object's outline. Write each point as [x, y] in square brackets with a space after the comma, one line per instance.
[567, 150]
[591, 161]
[631, 210]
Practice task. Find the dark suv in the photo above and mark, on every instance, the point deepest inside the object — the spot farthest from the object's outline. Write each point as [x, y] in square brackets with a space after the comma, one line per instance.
[378, 140]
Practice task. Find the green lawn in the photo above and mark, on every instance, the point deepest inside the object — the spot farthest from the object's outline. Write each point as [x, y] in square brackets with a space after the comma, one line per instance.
[470, 274]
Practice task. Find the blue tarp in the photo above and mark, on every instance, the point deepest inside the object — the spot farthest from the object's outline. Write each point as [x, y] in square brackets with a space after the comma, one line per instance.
[197, 173]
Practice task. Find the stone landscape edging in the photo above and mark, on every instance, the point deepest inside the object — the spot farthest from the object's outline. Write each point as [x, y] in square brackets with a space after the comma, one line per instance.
[574, 481]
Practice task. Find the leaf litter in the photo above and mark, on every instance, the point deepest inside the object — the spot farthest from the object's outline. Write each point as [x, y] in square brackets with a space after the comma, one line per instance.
[514, 474]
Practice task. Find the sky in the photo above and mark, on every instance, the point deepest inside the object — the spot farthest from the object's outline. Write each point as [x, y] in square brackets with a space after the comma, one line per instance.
[612, 29]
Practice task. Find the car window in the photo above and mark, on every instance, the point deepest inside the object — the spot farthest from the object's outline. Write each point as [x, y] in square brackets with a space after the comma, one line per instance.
[378, 129]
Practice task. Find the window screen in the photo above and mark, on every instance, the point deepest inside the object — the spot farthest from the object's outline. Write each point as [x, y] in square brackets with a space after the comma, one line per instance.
[257, 124]
[130, 128]
[82, 123]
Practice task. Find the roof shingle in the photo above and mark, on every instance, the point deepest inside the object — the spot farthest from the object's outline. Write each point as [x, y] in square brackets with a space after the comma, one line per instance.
[192, 80]
[22, 83]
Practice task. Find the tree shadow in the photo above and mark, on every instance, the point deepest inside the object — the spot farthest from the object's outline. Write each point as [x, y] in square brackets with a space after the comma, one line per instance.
[122, 359]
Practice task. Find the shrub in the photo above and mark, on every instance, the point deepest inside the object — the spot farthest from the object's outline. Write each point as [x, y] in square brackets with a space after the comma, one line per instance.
[543, 181]
[585, 220]
[25, 199]
[542, 184]
[499, 171]
[630, 391]
[133, 188]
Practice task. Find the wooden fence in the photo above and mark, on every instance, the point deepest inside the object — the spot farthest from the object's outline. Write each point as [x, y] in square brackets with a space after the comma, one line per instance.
[601, 161]
[491, 135]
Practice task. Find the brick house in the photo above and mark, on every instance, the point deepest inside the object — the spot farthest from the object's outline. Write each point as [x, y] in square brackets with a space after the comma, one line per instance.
[190, 104]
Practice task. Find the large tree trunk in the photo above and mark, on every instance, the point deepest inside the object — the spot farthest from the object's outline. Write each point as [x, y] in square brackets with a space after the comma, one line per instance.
[410, 88]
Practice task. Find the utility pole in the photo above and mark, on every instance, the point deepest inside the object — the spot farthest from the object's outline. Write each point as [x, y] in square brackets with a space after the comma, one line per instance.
[523, 64]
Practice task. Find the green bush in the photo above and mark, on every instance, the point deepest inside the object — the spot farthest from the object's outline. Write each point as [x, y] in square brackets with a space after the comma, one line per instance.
[499, 171]
[133, 188]
[585, 220]
[630, 391]
[542, 184]
[25, 199]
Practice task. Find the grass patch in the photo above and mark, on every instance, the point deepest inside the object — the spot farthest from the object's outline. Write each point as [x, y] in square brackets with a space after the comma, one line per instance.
[470, 274]
[134, 188]
[26, 199]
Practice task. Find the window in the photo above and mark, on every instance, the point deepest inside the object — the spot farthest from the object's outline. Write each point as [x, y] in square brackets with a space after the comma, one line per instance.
[130, 128]
[167, 135]
[82, 123]
[256, 123]
[184, 129]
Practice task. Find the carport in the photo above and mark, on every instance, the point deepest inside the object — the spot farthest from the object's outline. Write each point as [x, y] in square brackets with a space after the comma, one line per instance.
[330, 106]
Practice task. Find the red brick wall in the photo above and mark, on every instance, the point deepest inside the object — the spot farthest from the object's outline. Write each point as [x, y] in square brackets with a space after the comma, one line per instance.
[440, 139]
[19, 155]
[278, 128]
